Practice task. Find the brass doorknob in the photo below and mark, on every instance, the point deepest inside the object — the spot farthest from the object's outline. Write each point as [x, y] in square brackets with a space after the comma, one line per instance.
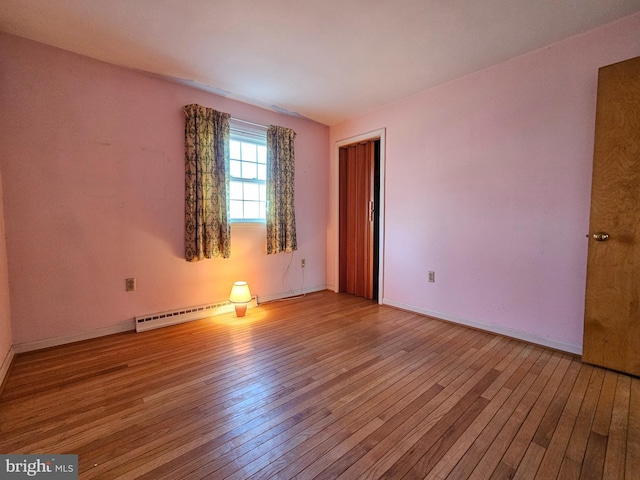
[600, 236]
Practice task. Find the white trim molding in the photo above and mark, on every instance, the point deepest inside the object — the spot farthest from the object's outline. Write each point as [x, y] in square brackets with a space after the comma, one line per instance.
[293, 294]
[379, 134]
[128, 326]
[507, 332]
[76, 337]
[6, 364]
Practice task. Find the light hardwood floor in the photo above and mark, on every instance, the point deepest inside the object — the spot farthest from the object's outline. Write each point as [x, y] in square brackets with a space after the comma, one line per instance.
[327, 386]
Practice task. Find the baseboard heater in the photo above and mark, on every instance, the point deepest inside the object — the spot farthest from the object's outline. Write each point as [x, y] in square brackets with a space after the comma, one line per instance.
[173, 317]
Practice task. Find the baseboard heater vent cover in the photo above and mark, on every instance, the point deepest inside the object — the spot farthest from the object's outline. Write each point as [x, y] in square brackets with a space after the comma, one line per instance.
[173, 317]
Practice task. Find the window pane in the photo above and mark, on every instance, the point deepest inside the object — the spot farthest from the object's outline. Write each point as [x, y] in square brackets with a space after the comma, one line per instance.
[262, 172]
[248, 151]
[235, 190]
[247, 199]
[235, 168]
[249, 170]
[251, 191]
[234, 149]
[262, 154]
[251, 210]
[235, 209]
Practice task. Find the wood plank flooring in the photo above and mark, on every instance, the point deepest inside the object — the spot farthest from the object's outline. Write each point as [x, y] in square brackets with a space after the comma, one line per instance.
[323, 387]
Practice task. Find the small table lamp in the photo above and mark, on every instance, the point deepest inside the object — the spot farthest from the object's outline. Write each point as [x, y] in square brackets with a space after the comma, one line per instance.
[240, 295]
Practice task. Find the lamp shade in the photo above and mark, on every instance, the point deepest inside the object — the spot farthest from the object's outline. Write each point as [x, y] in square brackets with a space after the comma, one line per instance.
[240, 293]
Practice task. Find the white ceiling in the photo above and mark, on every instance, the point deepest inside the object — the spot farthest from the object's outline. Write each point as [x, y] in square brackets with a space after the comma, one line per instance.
[327, 60]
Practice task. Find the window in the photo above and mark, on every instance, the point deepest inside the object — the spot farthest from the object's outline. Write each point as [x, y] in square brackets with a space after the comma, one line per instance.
[248, 173]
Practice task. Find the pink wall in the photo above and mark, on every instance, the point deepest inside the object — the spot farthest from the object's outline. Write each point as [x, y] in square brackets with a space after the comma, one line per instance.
[488, 183]
[5, 311]
[93, 172]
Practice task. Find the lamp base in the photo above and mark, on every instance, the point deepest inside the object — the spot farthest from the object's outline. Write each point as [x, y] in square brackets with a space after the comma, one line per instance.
[241, 309]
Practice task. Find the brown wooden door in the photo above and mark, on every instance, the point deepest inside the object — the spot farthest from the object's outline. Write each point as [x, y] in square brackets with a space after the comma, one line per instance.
[612, 309]
[357, 212]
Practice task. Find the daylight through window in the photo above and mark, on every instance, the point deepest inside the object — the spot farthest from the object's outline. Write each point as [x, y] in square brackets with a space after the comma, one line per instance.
[248, 175]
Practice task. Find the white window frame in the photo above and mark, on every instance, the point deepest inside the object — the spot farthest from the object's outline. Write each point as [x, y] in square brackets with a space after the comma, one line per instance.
[247, 133]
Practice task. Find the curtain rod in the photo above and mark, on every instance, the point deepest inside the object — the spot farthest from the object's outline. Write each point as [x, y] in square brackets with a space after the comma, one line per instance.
[248, 123]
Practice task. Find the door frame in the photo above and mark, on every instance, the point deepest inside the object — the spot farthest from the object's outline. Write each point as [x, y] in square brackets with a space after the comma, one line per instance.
[378, 134]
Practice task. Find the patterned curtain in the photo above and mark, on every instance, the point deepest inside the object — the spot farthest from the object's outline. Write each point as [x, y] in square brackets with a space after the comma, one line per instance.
[207, 228]
[281, 218]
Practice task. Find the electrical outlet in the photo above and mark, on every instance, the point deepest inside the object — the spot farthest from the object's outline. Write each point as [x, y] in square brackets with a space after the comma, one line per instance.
[432, 277]
[130, 284]
[303, 263]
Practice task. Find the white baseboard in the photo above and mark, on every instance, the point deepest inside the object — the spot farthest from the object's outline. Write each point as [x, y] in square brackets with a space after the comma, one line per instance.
[281, 296]
[127, 326]
[175, 317]
[76, 337]
[6, 364]
[507, 332]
